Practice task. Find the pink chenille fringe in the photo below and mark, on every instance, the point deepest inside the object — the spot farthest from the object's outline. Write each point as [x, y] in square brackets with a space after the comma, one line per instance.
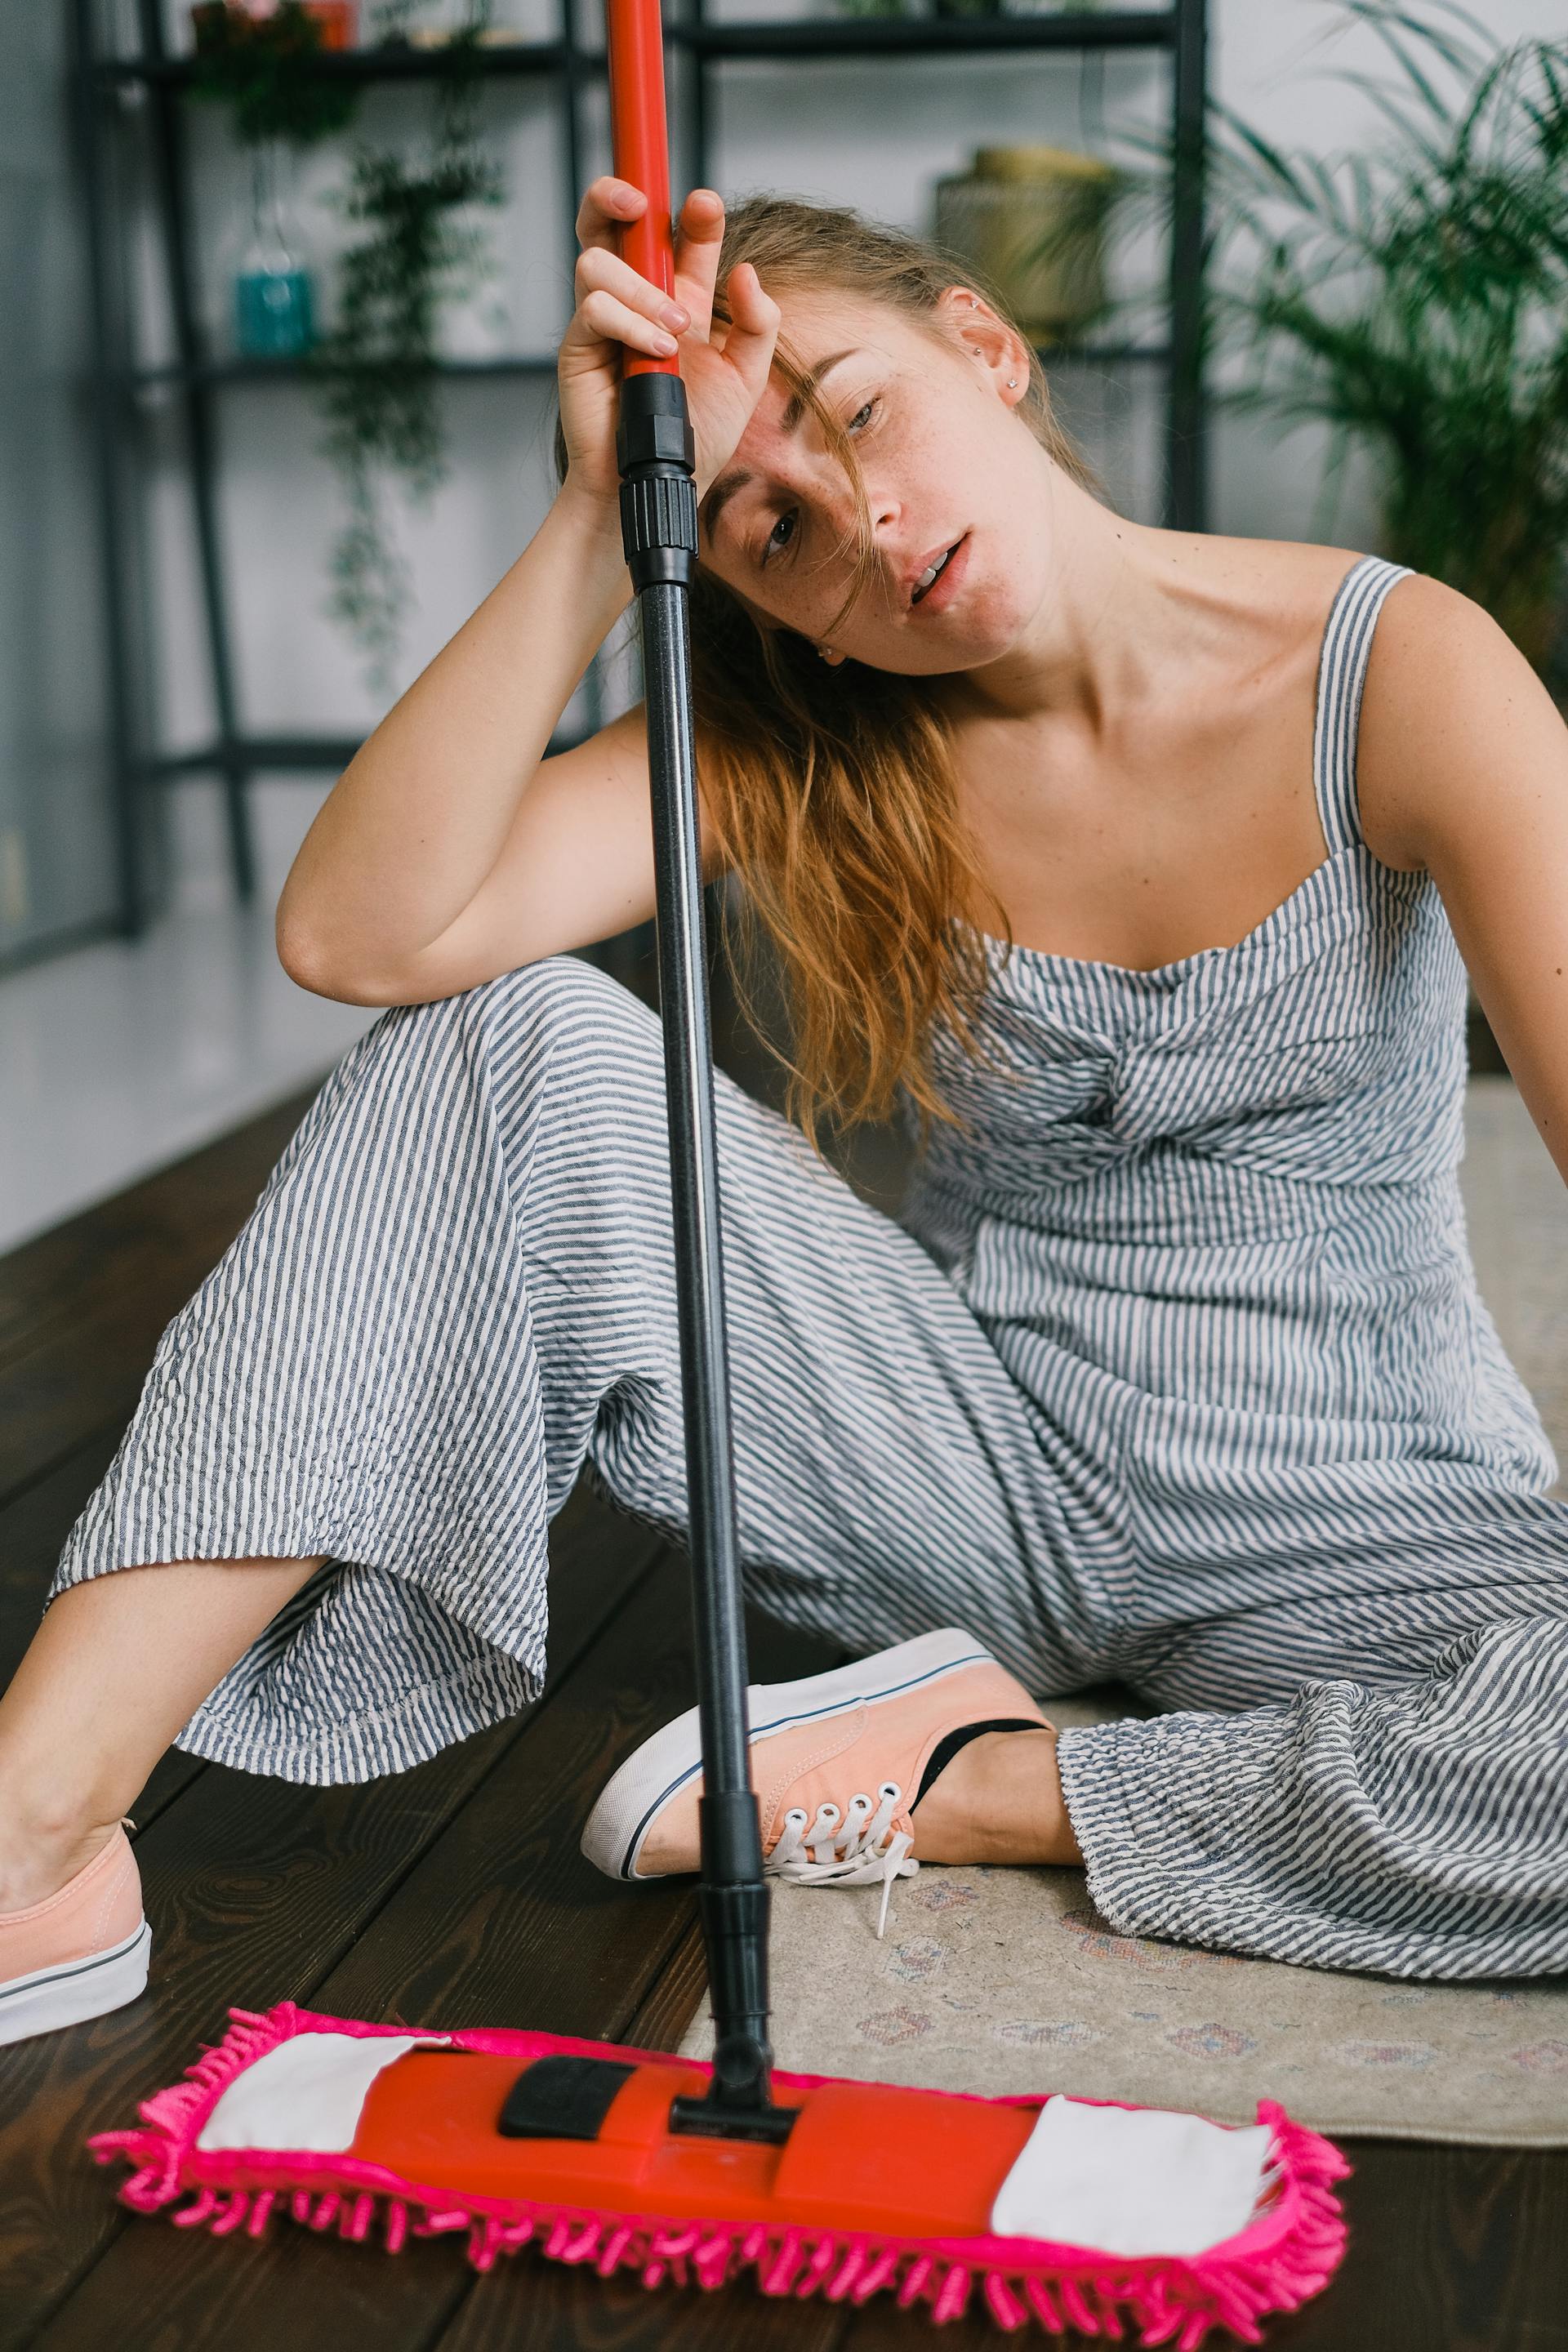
[1287, 2252]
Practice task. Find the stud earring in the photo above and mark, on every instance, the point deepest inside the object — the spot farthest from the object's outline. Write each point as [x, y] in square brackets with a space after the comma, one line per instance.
[826, 651]
[1011, 384]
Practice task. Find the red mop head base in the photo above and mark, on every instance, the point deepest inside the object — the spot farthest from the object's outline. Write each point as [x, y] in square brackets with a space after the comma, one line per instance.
[357, 2128]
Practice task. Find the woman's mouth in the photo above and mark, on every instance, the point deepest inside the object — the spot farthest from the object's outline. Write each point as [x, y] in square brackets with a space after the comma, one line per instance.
[939, 585]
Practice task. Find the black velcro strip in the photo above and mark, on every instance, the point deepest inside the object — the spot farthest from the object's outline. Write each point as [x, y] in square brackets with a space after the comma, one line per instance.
[562, 2097]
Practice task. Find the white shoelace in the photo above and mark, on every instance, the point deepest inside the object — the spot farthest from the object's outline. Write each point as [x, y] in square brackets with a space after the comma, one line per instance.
[854, 1848]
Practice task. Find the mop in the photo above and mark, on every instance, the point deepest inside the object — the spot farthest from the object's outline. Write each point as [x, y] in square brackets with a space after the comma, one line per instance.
[1065, 2212]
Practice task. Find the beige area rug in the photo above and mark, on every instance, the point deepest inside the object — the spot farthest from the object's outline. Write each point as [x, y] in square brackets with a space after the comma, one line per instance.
[1001, 1980]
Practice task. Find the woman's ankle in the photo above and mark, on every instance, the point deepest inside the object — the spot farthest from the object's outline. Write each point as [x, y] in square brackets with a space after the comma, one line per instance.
[999, 1801]
[38, 1857]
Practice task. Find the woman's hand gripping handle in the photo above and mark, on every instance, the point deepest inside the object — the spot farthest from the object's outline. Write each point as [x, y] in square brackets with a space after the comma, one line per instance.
[618, 309]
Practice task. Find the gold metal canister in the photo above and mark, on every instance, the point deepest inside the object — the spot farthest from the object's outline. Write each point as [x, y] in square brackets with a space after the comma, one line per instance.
[1032, 221]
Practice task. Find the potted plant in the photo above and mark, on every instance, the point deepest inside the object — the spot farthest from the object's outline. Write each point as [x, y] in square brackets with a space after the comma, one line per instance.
[1415, 298]
[263, 68]
[1031, 222]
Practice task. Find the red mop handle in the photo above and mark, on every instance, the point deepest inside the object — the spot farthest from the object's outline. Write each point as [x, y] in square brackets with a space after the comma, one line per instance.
[640, 140]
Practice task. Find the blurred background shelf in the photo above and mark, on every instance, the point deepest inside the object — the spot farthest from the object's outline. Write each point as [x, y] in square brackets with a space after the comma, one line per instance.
[215, 371]
[816, 36]
[823, 36]
[142, 93]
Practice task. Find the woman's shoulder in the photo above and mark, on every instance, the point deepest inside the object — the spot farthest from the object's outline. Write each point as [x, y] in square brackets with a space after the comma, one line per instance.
[1450, 709]
[1288, 582]
[1454, 724]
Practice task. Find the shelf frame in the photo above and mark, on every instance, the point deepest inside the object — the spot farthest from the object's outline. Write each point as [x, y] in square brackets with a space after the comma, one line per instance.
[698, 50]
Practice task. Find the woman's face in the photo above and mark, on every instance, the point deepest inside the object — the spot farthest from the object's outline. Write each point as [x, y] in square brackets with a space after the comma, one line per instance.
[946, 461]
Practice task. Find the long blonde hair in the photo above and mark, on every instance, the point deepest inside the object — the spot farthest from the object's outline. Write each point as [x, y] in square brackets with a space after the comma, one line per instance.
[832, 790]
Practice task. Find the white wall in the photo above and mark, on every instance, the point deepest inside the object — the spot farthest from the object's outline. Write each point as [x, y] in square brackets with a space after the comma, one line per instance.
[850, 131]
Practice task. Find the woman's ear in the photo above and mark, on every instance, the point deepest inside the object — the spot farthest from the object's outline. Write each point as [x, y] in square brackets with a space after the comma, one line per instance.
[988, 341]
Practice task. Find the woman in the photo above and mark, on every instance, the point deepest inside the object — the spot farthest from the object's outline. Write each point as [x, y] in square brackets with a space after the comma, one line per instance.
[1174, 1368]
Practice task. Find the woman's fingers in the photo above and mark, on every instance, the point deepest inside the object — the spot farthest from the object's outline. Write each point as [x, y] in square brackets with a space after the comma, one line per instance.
[598, 271]
[607, 205]
[755, 323]
[609, 320]
[699, 234]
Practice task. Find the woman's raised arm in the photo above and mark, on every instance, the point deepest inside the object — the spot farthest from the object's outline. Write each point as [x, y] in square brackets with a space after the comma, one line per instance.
[381, 904]
[451, 849]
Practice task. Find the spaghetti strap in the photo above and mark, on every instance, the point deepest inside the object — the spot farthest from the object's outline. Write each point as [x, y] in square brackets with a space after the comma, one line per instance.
[1341, 674]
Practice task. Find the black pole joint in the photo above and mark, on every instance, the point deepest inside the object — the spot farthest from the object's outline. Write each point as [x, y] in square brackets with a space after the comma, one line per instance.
[656, 452]
[738, 2103]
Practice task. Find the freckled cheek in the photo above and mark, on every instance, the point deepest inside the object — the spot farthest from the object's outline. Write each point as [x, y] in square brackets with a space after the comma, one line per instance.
[922, 476]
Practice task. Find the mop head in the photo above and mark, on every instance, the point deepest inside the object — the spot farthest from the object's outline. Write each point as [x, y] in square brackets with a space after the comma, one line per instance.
[1071, 2213]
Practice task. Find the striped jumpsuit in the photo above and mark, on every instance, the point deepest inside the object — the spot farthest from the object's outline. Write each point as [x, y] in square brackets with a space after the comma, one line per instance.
[1174, 1370]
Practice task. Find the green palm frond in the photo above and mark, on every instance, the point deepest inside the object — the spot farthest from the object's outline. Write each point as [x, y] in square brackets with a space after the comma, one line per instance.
[1412, 298]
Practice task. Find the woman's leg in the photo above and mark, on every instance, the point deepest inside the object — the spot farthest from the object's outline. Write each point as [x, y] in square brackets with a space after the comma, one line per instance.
[999, 1801]
[1391, 1791]
[114, 1671]
[456, 1290]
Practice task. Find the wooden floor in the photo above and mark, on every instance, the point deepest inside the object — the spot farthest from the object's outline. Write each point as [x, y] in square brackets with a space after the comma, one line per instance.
[455, 1896]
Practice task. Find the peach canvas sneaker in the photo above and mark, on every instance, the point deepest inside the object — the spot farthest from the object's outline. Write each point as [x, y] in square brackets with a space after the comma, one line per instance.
[838, 1761]
[79, 1952]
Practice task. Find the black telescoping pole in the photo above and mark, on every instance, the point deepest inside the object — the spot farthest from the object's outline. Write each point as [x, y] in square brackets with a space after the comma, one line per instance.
[659, 528]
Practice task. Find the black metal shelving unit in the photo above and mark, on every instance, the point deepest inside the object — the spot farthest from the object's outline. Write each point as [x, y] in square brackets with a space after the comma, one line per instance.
[158, 81]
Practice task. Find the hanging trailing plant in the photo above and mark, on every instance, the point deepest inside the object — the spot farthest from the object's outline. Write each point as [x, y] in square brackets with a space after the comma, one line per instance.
[266, 70]
[379, 386]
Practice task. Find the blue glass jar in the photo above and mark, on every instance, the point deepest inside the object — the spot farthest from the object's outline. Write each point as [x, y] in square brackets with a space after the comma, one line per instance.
[273, 310]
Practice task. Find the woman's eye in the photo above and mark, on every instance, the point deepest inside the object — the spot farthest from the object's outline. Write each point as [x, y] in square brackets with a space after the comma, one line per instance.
[774, 545]
[785, 528]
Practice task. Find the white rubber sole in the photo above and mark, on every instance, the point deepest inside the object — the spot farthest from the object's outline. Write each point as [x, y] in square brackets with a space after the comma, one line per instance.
[656, 1772]
[76, 1989]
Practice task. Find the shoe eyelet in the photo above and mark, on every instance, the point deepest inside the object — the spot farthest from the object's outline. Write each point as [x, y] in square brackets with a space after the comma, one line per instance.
[829, 1816]
[891, 1789]
[796, 1818]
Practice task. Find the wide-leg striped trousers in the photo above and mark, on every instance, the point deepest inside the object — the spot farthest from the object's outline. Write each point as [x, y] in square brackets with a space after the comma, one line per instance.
[456, 1295]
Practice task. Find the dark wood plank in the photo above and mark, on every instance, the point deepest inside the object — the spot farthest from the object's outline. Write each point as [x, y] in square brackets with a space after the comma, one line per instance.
[661, 2018]
[507, 2312]
[1461, 2248]
[83, 1309]
[256, 1888]
[33, 1528]
[506, 1922]
[188, 2288]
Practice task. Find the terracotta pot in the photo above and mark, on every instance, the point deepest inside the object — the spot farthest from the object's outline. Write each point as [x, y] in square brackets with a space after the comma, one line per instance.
[339, 20]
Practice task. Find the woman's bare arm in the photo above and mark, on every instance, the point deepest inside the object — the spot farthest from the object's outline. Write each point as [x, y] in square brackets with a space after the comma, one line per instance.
[398, 893]
[451, 850]
[1463, 770]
